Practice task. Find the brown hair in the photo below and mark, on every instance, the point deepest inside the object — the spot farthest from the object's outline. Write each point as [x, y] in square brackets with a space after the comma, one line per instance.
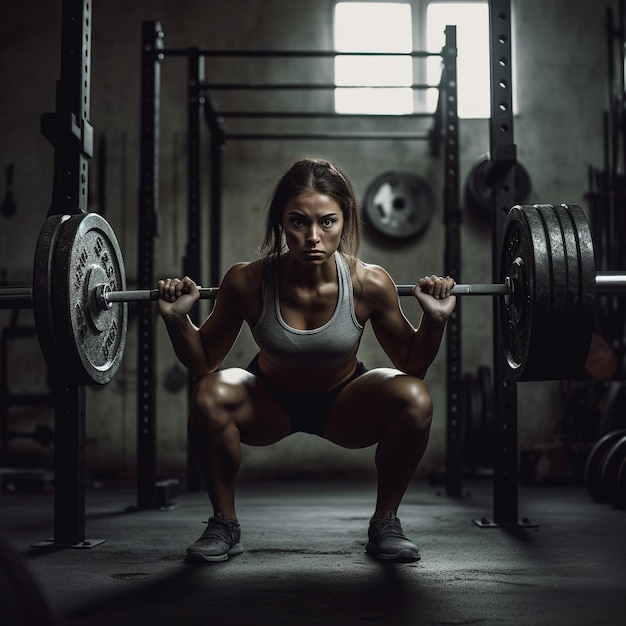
[317, 176]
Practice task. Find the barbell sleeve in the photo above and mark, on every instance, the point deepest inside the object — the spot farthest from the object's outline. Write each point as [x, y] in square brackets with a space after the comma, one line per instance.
[611, 283]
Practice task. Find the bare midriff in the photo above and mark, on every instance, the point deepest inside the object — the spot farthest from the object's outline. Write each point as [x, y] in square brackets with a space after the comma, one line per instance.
[308, 379]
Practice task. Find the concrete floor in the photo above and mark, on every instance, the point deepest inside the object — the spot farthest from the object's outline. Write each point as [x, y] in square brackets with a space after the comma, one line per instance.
[305, 562]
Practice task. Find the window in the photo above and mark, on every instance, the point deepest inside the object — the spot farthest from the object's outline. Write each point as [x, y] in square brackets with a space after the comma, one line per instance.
[472, 22]
[373, 27]
[388, 27]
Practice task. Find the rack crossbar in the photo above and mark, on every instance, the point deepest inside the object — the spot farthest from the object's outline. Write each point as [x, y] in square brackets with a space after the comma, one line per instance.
[307, 86]
[180, 52]
[322, 114]
[341, 136]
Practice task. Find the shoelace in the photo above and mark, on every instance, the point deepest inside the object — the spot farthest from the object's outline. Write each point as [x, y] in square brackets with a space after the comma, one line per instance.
[217, 529]
[390, 528]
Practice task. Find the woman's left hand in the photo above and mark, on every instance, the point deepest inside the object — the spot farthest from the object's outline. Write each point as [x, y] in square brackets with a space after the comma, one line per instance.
[433, 294]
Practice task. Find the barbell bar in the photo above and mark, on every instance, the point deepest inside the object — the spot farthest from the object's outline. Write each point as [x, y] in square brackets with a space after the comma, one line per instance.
[16, 297]
[106, 298]
[547, 312]
[607, 283]
[20, 296]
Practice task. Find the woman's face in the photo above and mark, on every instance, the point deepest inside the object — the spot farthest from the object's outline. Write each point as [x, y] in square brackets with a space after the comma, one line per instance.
[312, 223]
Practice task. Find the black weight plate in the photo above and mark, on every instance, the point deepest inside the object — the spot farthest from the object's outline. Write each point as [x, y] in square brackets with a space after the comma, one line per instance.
[478, 194]
[87, 254]
[587, 284]
[572, 254]
[42, 290]
[595, 463]
[472, 416]
[525, 315]
[567, 356]
[558, 266]
[579, 293]
[611, 469]
[398, 204]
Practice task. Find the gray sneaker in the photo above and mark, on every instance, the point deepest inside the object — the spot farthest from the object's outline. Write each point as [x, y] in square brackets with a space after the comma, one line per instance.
[387, 541]
[219, 540]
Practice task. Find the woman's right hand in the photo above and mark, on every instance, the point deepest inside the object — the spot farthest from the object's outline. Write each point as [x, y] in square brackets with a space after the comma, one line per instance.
[177, 296]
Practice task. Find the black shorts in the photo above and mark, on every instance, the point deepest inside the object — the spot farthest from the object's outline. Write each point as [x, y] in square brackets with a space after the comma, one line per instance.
[307, 410]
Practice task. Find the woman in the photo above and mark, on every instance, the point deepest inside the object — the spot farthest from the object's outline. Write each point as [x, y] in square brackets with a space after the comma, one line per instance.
[306, 302]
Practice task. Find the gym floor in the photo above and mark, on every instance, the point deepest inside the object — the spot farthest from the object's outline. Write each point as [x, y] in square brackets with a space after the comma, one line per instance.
[305, 561]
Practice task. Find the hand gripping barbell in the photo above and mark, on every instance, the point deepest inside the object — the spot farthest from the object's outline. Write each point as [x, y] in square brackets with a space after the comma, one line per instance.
[547, 305]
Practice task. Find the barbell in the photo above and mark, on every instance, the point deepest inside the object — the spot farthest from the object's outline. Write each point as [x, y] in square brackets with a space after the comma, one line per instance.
[547, 307]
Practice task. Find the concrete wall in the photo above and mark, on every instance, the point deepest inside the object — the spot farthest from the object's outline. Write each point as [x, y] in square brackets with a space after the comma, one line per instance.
[561, 87]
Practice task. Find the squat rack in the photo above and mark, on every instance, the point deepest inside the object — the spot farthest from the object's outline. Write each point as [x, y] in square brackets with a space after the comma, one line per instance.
[201, 101]
[501, 179]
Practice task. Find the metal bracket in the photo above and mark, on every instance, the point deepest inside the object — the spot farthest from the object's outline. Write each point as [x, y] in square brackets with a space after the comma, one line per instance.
[63, 131]
[503, 160]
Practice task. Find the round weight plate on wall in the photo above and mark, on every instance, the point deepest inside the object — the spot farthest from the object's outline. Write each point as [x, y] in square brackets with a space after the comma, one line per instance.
[478, 193]
[398, 204]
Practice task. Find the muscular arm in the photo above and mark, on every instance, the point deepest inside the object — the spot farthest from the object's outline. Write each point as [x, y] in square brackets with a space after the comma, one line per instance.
[423, 346]
[410, 350]
[202, 350]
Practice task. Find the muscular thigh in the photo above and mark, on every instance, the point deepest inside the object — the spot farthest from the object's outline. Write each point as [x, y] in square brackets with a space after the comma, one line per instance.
[246, 401]
[365, 406]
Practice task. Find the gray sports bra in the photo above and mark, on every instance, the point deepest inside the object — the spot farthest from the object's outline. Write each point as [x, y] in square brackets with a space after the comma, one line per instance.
[313, 349]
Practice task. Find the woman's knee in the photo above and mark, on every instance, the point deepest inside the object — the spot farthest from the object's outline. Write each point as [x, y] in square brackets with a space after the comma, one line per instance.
[415, 404]
[212, 402]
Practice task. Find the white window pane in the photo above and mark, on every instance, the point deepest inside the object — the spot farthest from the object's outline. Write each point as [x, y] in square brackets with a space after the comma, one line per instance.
[385, 71]
[398, 101]
[472, 22]
[373, 27]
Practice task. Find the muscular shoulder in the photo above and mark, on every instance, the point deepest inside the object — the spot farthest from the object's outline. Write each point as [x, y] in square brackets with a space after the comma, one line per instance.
[374, 288]
[243, 277]
[241, 287]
